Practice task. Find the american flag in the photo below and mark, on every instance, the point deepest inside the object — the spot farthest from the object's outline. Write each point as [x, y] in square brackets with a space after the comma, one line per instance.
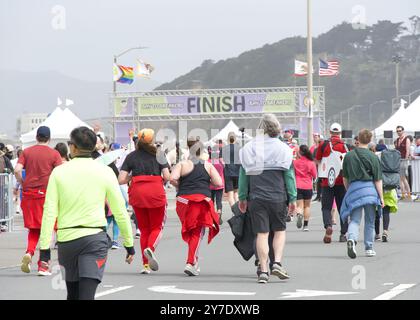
[329, 68]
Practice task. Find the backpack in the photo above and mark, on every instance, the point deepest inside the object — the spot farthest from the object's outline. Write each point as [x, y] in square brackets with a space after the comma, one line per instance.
[2, 164]
[390, 165]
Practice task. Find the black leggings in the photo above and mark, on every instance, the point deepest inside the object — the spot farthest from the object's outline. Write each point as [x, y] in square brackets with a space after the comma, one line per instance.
[84, 289]
[385, 215]
[218, 195]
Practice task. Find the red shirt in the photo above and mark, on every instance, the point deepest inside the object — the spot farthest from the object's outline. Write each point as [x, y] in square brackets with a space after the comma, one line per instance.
[338, 145]
[305, 171]
[38, 162]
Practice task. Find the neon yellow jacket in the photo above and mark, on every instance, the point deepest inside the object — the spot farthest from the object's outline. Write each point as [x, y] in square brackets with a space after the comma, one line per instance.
[76, 196]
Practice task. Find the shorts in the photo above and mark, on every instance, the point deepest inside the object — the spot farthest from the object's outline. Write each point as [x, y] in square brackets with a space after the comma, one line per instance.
[404, 168]
[304, 194]
[231, 183]
[267, 216]
[84, 257]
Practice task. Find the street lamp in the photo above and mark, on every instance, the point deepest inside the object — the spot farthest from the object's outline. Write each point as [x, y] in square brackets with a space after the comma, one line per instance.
[397, 59]
[310, 88]
[370, 111]
[348, 113]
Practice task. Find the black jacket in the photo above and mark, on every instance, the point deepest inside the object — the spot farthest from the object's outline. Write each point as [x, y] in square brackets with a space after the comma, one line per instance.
[241, 227]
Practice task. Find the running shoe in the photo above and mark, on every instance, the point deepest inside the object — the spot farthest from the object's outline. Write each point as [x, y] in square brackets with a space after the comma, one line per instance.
[370, 253]
[192, 270]
[279, 271]
[263, 277]
[289, 218]
[328, 234]
[145, 270]
[377, 237]
[299, 221]
[342, 238]
[151, 257]
[220, 219]
[43, 268]
[115, 245]
[306, 228]
[3, 228]
[351, 249]
[26, 263]
[385, 237]
[137, 234]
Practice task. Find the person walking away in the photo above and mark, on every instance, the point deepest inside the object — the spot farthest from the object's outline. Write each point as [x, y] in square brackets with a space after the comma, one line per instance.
[230, 155]
[63, 151]
[306, 173]
[149, 170]
[38, 162]
[317, 140]
[265, 159]
[381, 146]
[363, 181]
[336, 192]
[217, 192]
[194, 206]
[75, 197]
[390, 165]
[402, 144]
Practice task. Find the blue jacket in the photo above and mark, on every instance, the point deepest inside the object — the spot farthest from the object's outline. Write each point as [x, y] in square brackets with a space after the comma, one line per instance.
[359, 194]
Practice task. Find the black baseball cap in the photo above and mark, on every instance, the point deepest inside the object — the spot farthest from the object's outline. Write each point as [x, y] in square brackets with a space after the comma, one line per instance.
[44, 132]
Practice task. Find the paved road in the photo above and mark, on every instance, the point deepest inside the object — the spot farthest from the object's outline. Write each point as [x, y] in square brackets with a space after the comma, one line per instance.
[313, 266]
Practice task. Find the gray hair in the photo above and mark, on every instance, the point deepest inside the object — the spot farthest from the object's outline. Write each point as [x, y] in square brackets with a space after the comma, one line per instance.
[270, 125]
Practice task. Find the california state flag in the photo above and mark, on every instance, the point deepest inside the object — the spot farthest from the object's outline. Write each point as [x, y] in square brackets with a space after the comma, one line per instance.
[301, 68]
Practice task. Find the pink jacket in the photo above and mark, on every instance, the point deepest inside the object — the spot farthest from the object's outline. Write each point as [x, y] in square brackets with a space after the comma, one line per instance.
[219, 167]
[305, 171]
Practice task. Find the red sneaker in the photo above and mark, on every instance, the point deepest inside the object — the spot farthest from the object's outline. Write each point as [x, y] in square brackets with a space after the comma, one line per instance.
[328, 233]
[43, 268]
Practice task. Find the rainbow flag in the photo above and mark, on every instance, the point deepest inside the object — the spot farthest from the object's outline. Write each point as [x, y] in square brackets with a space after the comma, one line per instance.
[127, 75]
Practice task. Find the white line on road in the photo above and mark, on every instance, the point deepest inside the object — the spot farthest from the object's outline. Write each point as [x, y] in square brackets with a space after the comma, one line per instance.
[312, 293]
[10, 267]
[392, 293]
[174, 289]
[107, 292]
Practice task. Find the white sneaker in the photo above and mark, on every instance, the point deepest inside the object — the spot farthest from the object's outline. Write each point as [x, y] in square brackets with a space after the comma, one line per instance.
[306, 228]
[151, 257]
[192, 270]
[299, 221]
[26, 263]
[146, 269]
[370, 253]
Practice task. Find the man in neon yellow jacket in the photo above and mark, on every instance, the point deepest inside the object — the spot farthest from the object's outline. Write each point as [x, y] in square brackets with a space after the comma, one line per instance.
[75, 198]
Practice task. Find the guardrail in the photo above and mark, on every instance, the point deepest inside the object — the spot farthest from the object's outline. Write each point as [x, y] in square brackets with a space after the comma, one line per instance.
[415, 176]
[6, 200]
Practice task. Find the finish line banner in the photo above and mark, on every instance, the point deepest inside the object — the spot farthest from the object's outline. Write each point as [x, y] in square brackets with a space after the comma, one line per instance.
[211, 104]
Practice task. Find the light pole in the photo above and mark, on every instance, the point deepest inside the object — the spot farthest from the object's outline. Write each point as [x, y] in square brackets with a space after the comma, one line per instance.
[397, 59]
[310, 88]
[348, 113]
[370, 111]
[114, 87]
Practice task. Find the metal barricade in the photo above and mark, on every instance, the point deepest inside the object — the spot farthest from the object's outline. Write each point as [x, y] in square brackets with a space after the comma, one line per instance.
[415, 176]
[6, 200]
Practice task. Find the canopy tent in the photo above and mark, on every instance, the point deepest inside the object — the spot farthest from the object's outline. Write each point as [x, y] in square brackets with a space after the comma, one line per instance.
[61, 123]
[223, 134]
[406, 117]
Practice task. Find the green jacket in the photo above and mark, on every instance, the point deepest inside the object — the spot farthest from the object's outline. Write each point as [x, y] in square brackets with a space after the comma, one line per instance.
[289, 179]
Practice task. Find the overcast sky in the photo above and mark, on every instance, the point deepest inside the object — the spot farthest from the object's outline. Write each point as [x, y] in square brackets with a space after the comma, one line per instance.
[180, 33]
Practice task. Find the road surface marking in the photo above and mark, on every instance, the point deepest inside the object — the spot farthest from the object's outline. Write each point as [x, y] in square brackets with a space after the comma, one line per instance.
[107, 292]
[10, 267]
[389, 284]
[174, 289]
[392, 293]
[312, 293]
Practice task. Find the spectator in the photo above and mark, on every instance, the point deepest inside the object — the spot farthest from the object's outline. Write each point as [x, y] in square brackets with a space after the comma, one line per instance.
[381, 146]
[402, 144]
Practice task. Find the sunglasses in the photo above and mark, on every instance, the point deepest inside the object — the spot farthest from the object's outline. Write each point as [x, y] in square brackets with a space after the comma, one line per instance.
[399, 131]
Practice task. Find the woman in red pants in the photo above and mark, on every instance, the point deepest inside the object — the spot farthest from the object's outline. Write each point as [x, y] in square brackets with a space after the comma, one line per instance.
[194, 207]
[149, 170]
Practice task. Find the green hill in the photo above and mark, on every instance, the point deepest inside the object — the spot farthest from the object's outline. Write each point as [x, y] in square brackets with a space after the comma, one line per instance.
[367, 73]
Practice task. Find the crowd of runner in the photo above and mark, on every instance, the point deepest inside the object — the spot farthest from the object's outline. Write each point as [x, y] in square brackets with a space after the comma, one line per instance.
[69, 197]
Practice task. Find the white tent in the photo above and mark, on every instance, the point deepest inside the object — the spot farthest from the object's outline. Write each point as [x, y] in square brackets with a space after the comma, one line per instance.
[396, 119]
[223, 134]
[61, 123]
[411, 117]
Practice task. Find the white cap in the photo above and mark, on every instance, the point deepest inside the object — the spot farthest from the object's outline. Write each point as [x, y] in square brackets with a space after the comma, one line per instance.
[335, 127]
[10, 148]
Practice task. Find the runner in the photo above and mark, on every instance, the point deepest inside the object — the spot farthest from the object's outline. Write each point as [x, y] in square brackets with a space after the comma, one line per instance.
[288, 139]
[362, 176]
[38, 162]
[149, 170]
[266, 179]
[338, 191]
[317, 140]
[194, 207]
[230, 154]
[215, 158]
[75, 198]
[63, 151]
[305, 171]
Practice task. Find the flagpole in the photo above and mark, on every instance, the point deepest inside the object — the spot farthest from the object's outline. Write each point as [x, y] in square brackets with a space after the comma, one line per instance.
[310, 78]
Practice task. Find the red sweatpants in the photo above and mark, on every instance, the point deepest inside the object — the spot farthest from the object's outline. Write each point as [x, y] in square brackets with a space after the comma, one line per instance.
[33, 238]
[151, 222]
[195, 237]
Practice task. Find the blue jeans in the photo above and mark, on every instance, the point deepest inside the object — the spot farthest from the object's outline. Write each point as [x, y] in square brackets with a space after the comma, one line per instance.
[354, 225]
[115, 230]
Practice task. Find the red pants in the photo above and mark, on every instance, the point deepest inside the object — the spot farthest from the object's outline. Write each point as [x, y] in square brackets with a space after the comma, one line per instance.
[33, 238]
[151, 222]
[195, 237]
